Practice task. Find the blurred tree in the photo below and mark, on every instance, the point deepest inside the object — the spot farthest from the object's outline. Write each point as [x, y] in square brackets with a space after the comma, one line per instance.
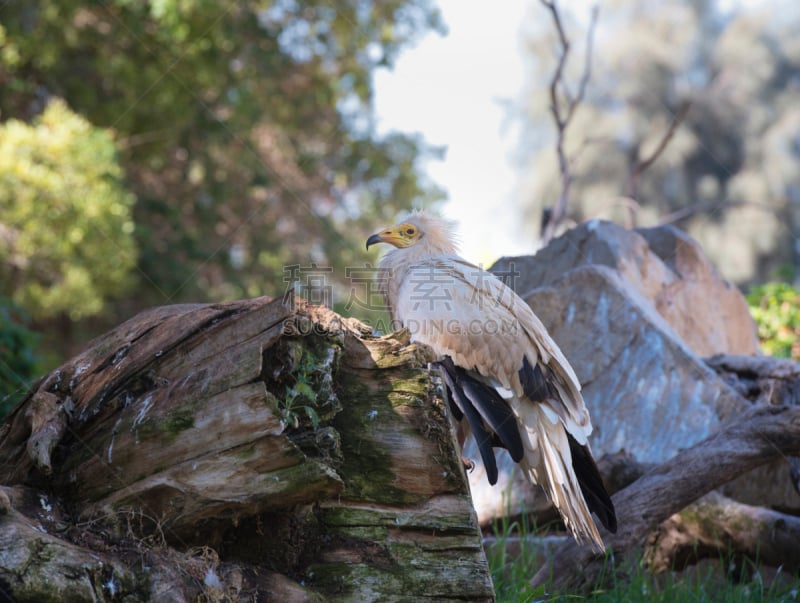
[18, 361]
[729, 175]
[66, 230]
[245, 129]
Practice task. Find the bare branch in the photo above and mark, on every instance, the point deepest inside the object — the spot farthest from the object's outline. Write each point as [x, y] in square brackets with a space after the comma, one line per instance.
[587, 65]
[711, 207]
[631, 207]
[562, 61]
[641, 165]
[677, 119]
[563, 111]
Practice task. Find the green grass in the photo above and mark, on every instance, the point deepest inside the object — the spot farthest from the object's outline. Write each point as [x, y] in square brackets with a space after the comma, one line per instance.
[514, 562]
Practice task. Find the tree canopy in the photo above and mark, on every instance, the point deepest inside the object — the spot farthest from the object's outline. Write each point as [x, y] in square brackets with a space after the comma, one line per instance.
[66, 226]
[244, 131]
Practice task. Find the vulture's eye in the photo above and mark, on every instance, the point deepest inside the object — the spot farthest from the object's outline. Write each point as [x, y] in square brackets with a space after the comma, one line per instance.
[410, 231]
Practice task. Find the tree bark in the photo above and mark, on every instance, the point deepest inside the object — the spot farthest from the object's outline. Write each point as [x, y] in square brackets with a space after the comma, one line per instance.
[712, 527]
[765, 433]
[764, 380]
[244, 450]
[717, 527]
[760, 378]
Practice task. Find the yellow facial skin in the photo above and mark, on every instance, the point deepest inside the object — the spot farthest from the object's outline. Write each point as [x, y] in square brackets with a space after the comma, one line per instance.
[402, 235]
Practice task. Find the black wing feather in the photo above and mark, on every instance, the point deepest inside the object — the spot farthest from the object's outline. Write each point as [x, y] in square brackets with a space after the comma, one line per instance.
[467, 409]
[537, 385]
[594, 492]
[491, 406]
[478, 402]
[497, 413]
[452, 403]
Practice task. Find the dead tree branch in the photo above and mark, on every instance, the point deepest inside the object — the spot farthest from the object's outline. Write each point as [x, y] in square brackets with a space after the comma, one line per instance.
[640, 165]
[712, 207]
[677, 119]
[760, 436]
[716, 526]
[563, 107]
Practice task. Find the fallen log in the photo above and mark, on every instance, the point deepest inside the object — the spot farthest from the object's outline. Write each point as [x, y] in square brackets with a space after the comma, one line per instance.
[720, 528]
[245, 450]
[760, 378]
[768, 381]
[712, 527]
[760, 436]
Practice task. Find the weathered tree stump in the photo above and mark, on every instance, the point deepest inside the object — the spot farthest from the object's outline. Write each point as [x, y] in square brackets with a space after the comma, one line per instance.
[244, 450]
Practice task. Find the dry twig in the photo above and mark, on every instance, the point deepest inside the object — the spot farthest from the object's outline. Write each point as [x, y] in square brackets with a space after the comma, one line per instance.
[563, 111]
[639, 165]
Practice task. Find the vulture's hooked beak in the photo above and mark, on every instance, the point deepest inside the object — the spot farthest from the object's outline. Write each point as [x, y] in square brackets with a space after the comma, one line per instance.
[376, 238]
[402, 235]
[393, 236]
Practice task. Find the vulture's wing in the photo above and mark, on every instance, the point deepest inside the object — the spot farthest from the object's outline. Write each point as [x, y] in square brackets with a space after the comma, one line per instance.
[469, 314]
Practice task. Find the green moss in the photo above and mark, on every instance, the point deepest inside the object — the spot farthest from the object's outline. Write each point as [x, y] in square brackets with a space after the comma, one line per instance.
[367, 533]
[303, 481]
[337, 577]
[366, 466]
[705, 516]
[413, 577]
[178, 421]
[245, 452]
[169, 426]
[41, 551]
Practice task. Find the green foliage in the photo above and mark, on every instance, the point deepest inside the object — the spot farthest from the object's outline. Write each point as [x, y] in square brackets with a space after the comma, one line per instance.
[512, 572]
[66, 231]
[310, 391]
[17, 359]
[299, 401]
[245, 129]
[776, 309]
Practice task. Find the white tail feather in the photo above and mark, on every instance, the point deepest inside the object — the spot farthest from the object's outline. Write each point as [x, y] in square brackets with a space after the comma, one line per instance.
[548, 462]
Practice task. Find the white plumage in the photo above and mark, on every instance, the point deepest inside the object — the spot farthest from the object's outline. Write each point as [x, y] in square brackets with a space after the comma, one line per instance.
[494, 339]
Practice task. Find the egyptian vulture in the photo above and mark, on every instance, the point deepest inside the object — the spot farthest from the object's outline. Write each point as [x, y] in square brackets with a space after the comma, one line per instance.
[503, 372]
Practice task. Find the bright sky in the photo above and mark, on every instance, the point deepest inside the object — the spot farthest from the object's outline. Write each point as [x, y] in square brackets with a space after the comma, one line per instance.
[453, 89]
